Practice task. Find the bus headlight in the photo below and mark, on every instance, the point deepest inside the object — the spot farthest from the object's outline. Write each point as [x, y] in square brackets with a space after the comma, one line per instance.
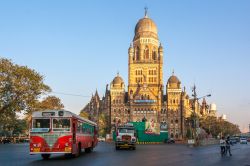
[66, 144]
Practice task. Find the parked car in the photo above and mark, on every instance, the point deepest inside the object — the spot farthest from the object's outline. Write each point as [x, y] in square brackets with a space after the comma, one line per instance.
[170, 141]
[233, 140]
[248, 140]
[243, 140]
[101, 139]
[6, 141]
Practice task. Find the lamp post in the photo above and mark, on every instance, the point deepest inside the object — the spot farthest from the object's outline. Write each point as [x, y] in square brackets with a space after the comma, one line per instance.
[196, 119]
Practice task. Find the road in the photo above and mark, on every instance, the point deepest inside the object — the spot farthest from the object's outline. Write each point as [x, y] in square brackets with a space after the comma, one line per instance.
[145, 155]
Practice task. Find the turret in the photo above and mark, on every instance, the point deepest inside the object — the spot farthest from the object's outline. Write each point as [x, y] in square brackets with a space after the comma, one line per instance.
[131, 54]
[160, 52]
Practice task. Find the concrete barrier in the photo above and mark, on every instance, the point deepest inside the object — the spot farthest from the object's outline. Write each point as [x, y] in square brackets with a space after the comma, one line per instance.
[209, 141]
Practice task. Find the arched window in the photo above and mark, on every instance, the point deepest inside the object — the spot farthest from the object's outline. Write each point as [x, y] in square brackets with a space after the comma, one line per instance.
[146, 53]
[154, 55]
[137, 53]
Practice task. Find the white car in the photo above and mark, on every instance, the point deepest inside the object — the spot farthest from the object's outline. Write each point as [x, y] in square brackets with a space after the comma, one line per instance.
[101, 139]
[243, 140]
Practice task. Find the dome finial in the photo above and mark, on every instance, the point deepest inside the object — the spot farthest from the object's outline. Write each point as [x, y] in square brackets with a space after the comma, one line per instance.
[118, 73]
[146, 12]
[173, 72]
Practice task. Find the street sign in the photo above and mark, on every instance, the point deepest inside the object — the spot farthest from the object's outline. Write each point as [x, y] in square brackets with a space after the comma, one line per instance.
[191, 141]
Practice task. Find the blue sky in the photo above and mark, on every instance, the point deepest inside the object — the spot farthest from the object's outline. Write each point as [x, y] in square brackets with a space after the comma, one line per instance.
[79, 46]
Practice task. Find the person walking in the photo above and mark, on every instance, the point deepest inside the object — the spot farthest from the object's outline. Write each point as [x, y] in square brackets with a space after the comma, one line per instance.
[228, 143]
[223, 146]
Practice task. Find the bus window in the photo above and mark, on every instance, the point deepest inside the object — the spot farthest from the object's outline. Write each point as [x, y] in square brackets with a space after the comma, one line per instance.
[79, 126]
[61, 124]
[40, 125]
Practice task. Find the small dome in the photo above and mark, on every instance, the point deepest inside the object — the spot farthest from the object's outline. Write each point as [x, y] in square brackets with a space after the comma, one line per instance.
[117, 80]
[173, 79]
[173, 82]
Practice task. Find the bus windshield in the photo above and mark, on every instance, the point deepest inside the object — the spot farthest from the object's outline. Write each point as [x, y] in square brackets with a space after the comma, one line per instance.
[61, 124]
[123, 130]
[40, 125]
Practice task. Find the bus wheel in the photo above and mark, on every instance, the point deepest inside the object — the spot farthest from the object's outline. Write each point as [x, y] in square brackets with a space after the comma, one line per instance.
[89, 149]
[78, 151]
[45, 156]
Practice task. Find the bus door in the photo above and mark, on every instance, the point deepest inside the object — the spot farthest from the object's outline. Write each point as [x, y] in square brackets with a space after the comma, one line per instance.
[74, 122]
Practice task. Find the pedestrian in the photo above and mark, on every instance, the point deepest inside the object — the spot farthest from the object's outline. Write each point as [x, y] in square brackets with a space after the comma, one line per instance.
[228, 143]
[222, 145]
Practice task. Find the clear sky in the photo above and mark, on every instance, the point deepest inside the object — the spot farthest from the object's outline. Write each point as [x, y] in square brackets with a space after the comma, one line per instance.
[79, 46]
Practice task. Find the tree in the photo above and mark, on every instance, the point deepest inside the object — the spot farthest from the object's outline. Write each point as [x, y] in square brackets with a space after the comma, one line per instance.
[20, 88]
[219, 127]
[84, 114]
[50, 102]
[103, 124]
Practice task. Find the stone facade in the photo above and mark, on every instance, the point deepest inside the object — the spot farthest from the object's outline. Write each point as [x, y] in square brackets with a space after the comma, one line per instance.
[145, 97]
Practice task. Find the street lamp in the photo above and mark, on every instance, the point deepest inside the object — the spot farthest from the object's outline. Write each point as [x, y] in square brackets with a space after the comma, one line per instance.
[196, 119]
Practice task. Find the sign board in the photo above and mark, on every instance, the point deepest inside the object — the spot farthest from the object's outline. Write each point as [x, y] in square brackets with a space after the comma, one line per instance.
[163, 126]
[144, 101]
[152, 128]
[47, 114]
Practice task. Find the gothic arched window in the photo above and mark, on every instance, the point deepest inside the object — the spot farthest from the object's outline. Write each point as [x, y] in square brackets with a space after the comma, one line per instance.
[154, 55]
[146, 53]
[137, 53]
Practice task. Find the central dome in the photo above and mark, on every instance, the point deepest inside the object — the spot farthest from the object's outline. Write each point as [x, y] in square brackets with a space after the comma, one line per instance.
[146, 27]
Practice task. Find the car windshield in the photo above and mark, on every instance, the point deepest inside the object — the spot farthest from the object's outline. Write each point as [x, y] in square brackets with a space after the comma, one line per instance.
[126, 131]
[40, 125]
[61, 124]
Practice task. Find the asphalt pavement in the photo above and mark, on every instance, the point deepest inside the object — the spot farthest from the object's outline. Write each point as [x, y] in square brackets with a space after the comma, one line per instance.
[145, 155]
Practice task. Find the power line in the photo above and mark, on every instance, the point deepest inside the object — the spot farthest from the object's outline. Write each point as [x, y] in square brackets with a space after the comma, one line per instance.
[69, 94]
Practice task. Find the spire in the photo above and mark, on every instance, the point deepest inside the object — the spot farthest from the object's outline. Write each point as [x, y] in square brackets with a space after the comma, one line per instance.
[96, 93]
[146, 12]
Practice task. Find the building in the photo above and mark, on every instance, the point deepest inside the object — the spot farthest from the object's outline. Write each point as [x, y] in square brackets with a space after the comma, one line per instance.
[144, 98]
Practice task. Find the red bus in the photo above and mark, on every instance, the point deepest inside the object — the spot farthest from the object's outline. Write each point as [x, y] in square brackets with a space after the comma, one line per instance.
[60, 131]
